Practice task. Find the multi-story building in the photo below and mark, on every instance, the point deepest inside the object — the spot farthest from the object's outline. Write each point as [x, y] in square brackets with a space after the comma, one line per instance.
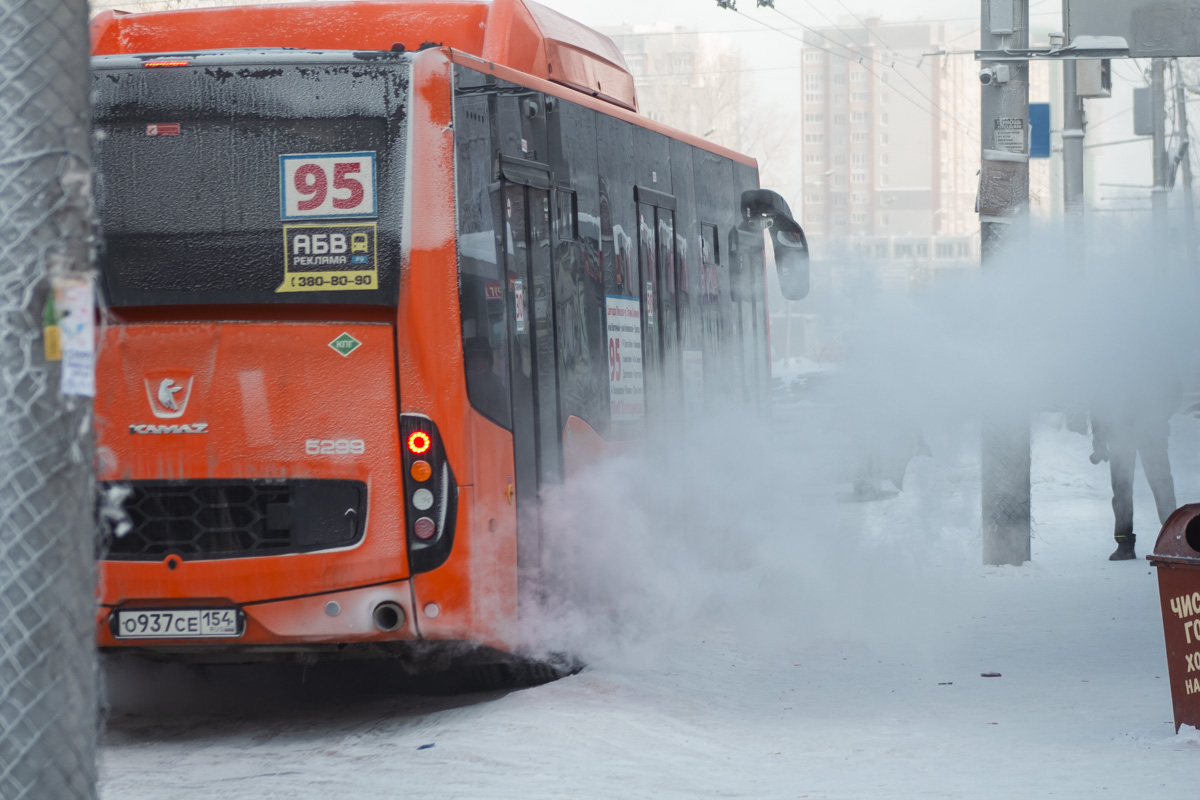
[686, 79]
[706, 83]
[891, 139]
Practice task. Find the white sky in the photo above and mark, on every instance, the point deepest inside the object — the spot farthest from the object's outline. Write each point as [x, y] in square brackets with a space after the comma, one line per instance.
[773, 54]
[705, 15]
[767, 50]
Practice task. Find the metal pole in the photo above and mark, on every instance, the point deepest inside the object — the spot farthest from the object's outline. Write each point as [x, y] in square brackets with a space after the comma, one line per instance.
[787, 332]
[1004, 196]
[1189, 214]
[1158, 195]
[47, 579]
[1072, 139]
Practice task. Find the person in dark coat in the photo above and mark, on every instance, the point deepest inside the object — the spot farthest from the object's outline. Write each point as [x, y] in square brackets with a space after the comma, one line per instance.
[1123, 430]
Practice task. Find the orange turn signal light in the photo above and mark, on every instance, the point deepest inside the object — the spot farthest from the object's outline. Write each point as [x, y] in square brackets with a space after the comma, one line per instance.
[174, 62]
[421, 471]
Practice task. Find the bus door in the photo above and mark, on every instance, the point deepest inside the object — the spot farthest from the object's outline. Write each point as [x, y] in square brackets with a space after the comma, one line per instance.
[746, 280]
[660, 320]
[536, 425]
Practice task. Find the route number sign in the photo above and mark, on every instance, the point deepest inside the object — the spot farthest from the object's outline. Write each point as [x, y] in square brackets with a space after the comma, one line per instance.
[323, 185]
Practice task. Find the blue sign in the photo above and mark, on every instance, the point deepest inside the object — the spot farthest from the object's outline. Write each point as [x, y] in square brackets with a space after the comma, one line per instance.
[1039, 130]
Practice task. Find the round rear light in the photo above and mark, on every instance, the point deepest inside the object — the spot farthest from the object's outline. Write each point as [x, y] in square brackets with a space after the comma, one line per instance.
[421, 471]
[423, 499]
[424, 528]
[419, 442]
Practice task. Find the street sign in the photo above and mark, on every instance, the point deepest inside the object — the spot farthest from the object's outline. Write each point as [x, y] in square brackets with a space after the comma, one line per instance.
[1150, 28]
[1039, 130]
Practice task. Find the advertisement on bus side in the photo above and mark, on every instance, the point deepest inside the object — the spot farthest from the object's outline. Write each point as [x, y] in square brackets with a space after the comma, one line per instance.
[626, 393]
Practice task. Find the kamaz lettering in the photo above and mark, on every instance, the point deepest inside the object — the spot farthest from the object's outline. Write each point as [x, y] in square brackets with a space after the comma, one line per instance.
[195, 427]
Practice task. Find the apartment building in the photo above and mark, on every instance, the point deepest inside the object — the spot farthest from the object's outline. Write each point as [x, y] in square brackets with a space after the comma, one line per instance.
[891, 137]
[685, 79]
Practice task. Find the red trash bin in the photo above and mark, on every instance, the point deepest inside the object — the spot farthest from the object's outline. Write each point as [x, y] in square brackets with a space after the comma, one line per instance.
[1177, 556]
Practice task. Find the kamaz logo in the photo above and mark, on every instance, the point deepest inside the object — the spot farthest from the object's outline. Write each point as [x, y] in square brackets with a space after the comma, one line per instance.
[195, 427]
[168, 393]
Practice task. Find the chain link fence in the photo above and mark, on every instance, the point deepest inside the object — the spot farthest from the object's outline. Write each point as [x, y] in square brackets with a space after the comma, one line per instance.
[1005, 501]
[1005, 457]
[48, 665]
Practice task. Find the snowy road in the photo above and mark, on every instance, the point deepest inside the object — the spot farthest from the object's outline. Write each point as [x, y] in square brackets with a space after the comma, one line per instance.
[862, 683]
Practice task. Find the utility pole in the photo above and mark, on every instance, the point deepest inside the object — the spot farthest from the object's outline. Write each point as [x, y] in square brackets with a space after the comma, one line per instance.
[1185, 155]
[1003, 198]
[787, 333]
[48, 659]
[1072, 139]
[1158, 195]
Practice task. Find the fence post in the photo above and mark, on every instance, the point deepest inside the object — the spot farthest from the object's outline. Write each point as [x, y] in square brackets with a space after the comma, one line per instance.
[48, 665]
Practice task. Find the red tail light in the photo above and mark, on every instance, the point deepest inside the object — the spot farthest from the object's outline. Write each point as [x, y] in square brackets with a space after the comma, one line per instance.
[419, 442]
[432, 493]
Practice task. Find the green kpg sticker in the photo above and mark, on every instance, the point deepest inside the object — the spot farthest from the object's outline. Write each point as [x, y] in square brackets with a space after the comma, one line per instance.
[329, 258]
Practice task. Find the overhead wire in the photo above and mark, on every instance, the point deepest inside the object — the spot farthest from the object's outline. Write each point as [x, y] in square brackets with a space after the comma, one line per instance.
[1141, 77]
[686, 33]
[856, 18]
[718, 72]
[832, 24]
[963, 35]
[861, 61]
[838, 28]
[896, 57]
[1093, 125]
[855, 55]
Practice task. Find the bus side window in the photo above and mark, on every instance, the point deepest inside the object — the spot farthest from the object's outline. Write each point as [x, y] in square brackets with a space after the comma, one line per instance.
[481, 291]
[484, 341]
[709, 253]
[567, 215]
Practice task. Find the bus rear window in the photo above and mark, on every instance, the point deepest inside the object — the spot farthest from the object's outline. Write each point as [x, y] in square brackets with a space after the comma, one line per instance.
[249, 185]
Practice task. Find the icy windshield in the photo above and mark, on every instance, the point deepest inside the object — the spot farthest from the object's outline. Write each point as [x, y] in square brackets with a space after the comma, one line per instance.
[225, 183]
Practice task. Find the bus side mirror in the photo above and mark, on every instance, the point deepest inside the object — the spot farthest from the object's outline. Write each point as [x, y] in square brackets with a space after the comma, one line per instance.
[763, 209]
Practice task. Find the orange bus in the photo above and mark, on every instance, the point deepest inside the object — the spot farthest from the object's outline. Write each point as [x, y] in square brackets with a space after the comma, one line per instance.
[376, 273]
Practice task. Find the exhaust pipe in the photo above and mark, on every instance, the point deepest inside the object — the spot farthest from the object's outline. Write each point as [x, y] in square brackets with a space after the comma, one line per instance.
[388, 616]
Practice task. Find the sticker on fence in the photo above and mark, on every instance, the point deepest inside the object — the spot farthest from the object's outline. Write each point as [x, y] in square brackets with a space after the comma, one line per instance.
[75, 304]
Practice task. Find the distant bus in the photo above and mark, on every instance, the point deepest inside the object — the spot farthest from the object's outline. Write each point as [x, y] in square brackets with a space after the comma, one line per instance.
[377, 273]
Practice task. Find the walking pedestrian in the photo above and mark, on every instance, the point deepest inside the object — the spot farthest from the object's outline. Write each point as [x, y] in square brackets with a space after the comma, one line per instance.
[1123, 430]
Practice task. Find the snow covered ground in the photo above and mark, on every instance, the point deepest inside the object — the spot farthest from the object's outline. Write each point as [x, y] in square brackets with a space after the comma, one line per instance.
[837, 654]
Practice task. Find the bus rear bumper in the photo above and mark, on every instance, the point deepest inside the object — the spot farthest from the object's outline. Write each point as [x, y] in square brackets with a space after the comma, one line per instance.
[368, 615]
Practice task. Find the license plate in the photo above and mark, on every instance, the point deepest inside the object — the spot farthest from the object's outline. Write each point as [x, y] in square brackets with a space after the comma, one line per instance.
[178, 623]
